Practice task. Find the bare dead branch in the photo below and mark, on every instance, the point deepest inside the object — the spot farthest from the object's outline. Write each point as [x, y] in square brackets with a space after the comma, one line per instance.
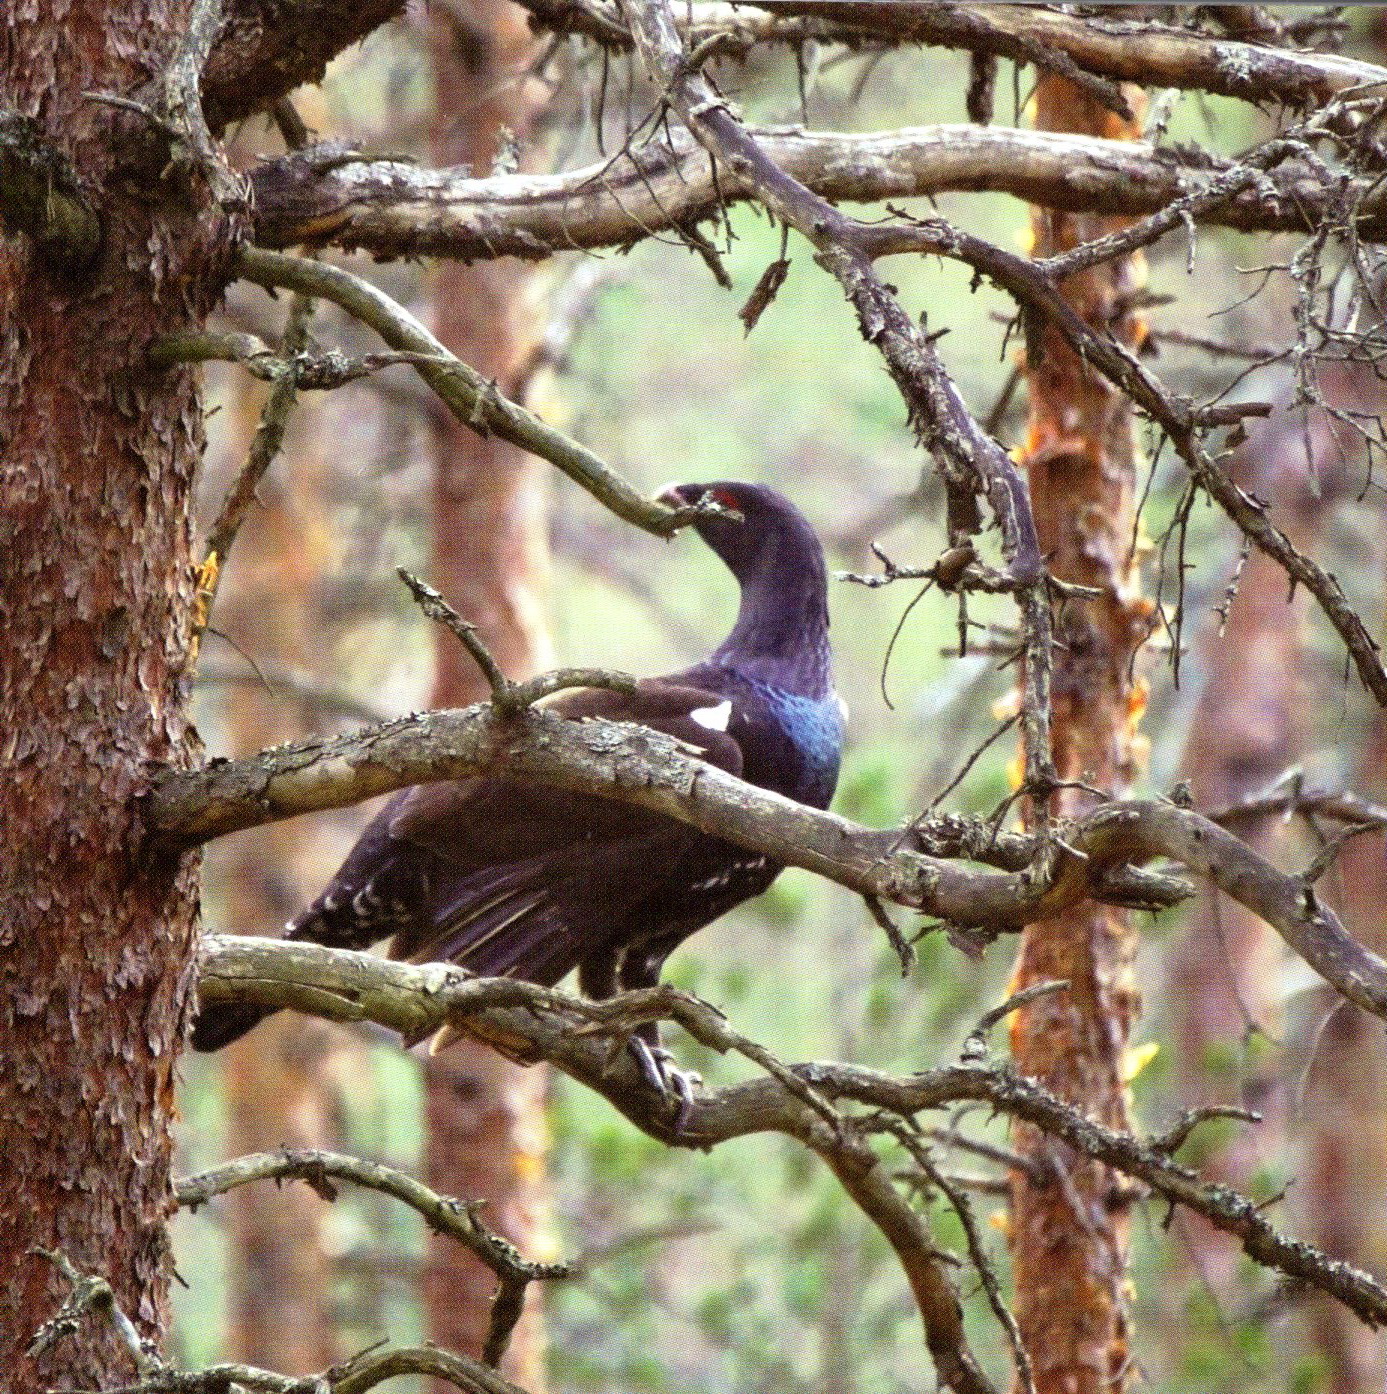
[266, 48]
[507, 697]
[268, 439]
[92, 1293]
[653, 771]
[535, 1023]
[394, 209]
[460, 1220]
[1142, 49]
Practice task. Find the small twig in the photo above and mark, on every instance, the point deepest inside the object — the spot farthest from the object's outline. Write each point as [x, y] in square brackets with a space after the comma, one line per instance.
[1291, 798]
[903, 950]
[1004, 1156]
[1175, 1137]
[92, 1292]
[438, 610]
[975, 1042]
[982, 1263]
[264, 448]
[1329, 853]
[507, 697]
[269, 437]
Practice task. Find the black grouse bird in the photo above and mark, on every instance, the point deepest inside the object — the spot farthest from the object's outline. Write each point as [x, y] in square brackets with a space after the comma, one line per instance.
[530, 882]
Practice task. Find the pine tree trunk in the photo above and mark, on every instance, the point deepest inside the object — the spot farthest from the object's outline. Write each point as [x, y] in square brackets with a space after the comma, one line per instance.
[487, 1134]
[1070, 1214]
[96, 593]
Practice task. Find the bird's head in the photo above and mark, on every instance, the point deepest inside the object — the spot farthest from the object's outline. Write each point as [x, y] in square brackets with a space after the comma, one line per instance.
[759, 531]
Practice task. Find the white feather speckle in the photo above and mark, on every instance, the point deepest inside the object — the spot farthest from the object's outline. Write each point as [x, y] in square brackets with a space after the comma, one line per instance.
[713, 718]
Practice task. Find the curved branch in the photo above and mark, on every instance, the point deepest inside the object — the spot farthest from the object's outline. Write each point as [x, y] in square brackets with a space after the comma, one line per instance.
[643, 767]
[1138, 50]
[474, 400]
[458, 1219]
[391, 209]
[533, 1023]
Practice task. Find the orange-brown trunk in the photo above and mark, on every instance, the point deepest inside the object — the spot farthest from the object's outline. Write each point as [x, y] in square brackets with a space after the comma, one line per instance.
[1069, 1221]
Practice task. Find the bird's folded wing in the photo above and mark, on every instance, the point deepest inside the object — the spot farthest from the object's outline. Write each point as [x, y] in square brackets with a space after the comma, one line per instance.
[522, 879]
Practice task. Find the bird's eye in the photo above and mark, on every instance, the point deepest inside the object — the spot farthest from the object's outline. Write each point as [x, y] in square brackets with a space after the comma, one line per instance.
[725, 498]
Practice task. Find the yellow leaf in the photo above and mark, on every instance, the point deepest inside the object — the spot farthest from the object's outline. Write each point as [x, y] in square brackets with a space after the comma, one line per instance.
[1137, 1059]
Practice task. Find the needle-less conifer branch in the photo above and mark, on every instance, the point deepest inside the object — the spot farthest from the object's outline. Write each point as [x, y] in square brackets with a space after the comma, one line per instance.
[535, 1023]
[642, 767]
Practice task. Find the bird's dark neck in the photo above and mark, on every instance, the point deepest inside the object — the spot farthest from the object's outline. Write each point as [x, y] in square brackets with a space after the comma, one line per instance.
[781, 634]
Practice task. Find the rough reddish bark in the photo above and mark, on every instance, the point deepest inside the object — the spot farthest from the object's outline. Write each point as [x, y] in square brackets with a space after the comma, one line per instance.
[487, 1135]
[96, 593]
[1069, 1232]
[1340, 1198]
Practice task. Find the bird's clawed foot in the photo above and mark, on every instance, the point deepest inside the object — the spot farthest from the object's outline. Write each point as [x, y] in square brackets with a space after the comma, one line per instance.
[679, 1086]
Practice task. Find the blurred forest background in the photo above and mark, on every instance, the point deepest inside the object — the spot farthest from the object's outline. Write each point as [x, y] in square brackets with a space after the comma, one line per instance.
[746, 1268]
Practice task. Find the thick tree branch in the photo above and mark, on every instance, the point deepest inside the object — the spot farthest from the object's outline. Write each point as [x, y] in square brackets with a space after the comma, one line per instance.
[394, 209]
[535, 1023]
[640, 766]
[1116, 47]
[266, 48]
[407, 997]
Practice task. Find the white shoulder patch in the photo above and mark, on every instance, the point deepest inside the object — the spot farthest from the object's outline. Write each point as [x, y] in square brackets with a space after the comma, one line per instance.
[713, 718]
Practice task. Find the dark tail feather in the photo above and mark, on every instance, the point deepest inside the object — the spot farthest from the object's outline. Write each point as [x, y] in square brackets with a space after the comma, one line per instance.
[223, 1022]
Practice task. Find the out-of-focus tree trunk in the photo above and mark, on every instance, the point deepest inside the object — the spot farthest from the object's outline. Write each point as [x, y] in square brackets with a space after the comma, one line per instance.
[1346, 1097]
[1225, 972]
[96, 598]
[278, 1088]
[1345, 1087]
[1070, 1215]
[487, 1133]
